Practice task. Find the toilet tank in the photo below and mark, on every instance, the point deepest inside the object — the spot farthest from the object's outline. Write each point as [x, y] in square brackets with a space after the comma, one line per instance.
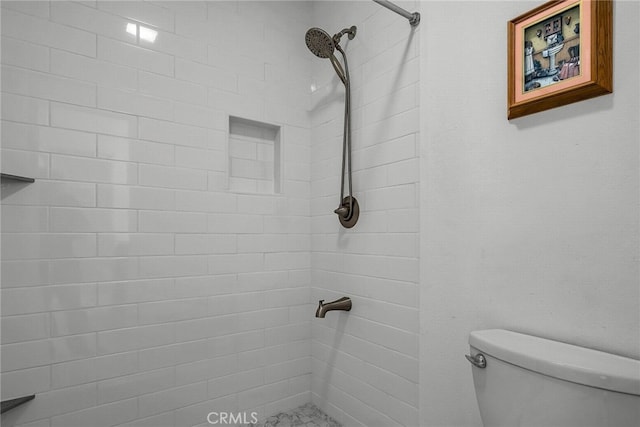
[536, 382]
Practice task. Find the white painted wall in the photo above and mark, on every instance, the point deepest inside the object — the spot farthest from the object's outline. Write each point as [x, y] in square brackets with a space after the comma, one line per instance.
[365, 363]
[135, 287]
[530, 224]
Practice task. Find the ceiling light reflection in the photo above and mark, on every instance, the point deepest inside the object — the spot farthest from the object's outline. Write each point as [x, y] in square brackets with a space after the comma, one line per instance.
[148, 34]
[142, 32]
[132, 29]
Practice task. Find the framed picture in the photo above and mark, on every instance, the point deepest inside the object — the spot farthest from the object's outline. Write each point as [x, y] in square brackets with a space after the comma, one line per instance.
[559, 53]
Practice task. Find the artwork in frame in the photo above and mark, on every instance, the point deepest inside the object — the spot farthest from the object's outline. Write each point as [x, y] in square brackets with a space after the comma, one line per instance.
[559, 53]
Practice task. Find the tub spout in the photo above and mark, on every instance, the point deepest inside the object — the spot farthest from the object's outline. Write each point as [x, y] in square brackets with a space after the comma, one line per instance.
[343, 304]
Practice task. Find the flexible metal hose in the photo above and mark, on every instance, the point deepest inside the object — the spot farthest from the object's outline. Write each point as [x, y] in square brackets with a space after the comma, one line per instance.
[346, 137]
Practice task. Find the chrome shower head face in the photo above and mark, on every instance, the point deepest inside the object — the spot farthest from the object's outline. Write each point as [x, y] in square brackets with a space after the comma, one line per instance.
[319, 43]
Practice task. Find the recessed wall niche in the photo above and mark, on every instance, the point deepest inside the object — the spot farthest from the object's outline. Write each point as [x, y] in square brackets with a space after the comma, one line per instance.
[254, 156]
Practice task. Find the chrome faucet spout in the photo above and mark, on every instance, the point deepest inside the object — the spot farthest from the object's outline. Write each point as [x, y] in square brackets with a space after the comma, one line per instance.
[343, 304]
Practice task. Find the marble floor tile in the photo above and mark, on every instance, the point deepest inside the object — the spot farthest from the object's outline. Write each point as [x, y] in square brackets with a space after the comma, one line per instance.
[307, 415]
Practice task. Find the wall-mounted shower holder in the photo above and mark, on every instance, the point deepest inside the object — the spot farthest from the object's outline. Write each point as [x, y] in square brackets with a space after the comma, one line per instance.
[348, 212]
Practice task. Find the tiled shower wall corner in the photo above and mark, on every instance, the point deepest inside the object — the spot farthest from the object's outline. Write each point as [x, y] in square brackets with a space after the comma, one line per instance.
[365, 364]
[136, 288]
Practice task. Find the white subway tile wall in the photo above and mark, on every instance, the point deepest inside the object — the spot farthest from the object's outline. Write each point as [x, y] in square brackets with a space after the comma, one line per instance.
[137, 288]
[365, 364]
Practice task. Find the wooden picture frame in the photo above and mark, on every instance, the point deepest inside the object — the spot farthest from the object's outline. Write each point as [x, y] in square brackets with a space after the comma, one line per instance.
[550, 66]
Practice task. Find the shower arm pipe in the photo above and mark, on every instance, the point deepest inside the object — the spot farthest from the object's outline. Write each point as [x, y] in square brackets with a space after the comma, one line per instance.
[351, 31]
[414, 18]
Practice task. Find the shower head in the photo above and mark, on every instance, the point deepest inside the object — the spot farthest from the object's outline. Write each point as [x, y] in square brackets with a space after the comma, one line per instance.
[322, 45]
[319, 43]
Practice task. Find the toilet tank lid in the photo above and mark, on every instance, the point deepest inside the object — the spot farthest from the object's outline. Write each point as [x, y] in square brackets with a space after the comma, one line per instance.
[560, 360]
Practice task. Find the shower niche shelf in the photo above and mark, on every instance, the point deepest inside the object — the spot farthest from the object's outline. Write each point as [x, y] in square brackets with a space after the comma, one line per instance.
[255, 156]
[15, 178]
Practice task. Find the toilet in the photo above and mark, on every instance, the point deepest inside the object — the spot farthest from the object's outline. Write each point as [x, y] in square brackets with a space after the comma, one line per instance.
[526, 381]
